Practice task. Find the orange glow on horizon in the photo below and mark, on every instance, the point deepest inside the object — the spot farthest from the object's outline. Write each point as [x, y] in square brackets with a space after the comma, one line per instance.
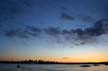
[80, 58]
[95, 59]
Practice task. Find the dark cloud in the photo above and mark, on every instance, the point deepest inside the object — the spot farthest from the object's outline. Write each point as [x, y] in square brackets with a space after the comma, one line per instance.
[11, 33]
[34, 29]
[52, 31]
[68, 31]
[29, 33]
[16, 33]
[87, 35]
[65, 58]
[75, 36]
[64, 8]
[99, 28]
[90, 34]
[87, 19]
[24, 32]
[66, 17]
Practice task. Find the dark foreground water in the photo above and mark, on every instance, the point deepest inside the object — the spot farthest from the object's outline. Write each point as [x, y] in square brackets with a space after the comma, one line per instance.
[53, 67]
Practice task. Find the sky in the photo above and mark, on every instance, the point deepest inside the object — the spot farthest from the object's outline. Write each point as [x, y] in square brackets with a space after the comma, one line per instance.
[55, 30]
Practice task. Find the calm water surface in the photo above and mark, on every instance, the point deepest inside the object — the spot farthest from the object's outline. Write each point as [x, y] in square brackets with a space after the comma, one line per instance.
[52, 67]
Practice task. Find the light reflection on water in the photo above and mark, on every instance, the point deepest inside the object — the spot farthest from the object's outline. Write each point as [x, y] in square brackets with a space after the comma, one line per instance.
[51, 67]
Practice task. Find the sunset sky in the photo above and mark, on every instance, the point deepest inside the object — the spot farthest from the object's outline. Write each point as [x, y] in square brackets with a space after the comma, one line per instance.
[55, 30]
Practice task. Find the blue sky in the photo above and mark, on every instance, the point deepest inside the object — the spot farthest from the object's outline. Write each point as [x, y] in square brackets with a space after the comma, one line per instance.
[53, 29]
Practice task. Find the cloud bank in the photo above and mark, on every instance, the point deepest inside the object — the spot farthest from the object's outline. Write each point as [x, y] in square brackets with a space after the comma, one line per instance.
[87, 35]
[9, 9]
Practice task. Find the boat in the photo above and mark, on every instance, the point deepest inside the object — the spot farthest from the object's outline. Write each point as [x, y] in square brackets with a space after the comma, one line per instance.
[18, 66]
[85, 66]
[96, 64]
